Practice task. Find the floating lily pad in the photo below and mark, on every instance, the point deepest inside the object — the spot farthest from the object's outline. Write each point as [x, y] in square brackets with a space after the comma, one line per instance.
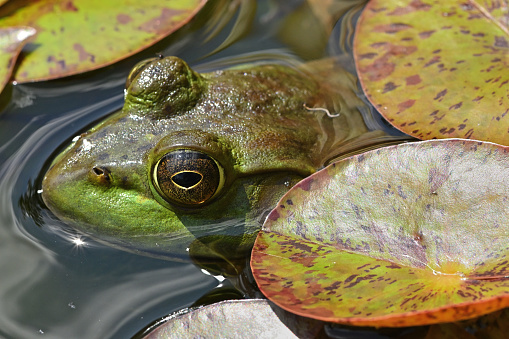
[12, 40]
[81, 35]
[437, 69]
[255, 318]
[406, 235]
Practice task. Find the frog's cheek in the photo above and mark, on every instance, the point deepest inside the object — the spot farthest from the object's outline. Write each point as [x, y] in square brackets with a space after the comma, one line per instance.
[120, 217]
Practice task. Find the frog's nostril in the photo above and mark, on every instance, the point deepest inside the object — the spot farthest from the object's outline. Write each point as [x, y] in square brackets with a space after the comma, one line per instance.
[102, 173]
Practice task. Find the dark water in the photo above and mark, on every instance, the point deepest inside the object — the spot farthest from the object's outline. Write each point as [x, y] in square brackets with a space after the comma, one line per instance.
[51, 283]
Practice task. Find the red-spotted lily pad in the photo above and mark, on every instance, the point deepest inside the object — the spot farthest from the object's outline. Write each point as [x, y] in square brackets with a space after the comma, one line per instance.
[255, 318]
[401, 236]
[12, 40]
[81, 35]
[437, 69]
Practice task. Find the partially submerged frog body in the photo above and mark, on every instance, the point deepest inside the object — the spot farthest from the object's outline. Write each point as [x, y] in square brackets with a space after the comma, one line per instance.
[192, 156]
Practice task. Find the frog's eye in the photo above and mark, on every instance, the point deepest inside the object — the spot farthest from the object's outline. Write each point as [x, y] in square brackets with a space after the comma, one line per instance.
[188, 177]
[137, 70]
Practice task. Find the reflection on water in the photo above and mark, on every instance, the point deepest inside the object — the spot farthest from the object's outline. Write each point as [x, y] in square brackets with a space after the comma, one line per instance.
[57, 283]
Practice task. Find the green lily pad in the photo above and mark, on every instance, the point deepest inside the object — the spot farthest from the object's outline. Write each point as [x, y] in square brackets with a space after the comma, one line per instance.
[12, 40]
[249, 318]
[406, 235]
[437, 69]
[81, 35]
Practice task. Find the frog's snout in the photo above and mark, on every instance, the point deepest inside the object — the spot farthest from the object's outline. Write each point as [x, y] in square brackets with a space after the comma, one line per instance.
[54, 193]
[64, 185]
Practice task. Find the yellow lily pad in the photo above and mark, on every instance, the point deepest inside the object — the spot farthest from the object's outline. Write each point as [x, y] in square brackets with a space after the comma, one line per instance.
[437, 69]
[82, 35]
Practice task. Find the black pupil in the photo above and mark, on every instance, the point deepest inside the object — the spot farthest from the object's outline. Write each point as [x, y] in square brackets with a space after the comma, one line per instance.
[187, 179]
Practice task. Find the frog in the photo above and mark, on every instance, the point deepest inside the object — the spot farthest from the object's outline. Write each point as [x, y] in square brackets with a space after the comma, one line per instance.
[195, 156]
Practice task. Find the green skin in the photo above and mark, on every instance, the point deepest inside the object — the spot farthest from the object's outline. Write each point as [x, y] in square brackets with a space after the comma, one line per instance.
[256, 122]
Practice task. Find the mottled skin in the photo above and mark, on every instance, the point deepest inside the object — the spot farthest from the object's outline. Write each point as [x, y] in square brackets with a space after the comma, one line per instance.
[255, 122]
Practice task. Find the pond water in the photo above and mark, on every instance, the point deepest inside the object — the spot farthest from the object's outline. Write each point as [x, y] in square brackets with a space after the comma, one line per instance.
[57, 283]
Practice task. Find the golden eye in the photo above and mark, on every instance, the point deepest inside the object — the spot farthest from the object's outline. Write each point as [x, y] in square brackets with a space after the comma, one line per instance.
[188, 177]
[137, 70]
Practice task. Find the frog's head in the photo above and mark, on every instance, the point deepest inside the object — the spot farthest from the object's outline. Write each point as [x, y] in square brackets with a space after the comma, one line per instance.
[190, 156]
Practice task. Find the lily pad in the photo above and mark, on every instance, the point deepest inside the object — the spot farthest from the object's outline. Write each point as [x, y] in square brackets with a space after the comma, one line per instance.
[12, 40]
[437, 69]
[406, 235]
[249, 318]
[81, 35]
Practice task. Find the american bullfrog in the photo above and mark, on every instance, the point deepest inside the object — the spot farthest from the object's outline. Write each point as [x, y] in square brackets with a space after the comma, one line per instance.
[192, 155]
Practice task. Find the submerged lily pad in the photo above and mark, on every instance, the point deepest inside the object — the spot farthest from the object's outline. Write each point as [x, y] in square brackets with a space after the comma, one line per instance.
[406, 235]
[12, 40]
[81, 35]
[249, 318]
[437, 69]
[306, 29]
